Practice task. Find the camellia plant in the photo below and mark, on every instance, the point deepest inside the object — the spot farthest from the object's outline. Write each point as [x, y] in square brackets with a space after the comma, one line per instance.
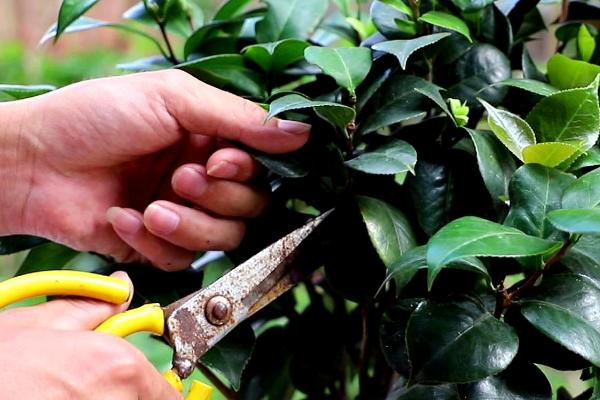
[467, 253]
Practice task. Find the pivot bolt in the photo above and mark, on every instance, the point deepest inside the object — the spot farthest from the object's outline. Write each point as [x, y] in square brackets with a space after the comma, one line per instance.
[218, 310]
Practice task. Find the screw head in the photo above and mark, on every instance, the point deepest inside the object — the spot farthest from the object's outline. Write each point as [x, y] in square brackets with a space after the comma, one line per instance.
[218, 310]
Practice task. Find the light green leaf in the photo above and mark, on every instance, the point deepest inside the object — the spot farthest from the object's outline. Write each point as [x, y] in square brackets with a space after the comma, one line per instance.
[349, 66]
[576, 220]
[290, 19]
[70, 11]
[530, 85]
[448, 21]
[403, 49]
[400, 6]
[18, 92]
[274, 57]
[231, 9]
[565, 73]
[510, 129]
[339, 115]
[389, 230]
[549, 154]
[392, 158]
[584, 192]
[476, 237]
[569, 116]
[585, 43]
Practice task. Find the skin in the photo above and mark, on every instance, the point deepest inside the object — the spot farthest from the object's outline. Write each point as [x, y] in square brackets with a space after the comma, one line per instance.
[141, 168]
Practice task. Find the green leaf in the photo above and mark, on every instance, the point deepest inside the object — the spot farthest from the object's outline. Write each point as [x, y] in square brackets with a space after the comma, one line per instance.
[392, 158]
[339, 115]
[276, 56]
[530, 70]
[576, 220]
[530, 85]
[476, 237]
[403, 49]
[286, 166]
[231, 355]
[70, 11]
[457, 342]
[429, 392]
[389, 230]
[18, 92]
[591, 158]
[584, 192]
[448, 21]
[432, 92]
[386, 16]
[400, 6]
[47, 257]
[585, 43]
[349, 66]
[152, 63]
[584, 257]
[565, 73]
[495, 164]
[231, 9]
[570, 116]
[178, 15]
[549, 154]
[534, 191]
[471, 5]
[290, 19]
[564, 308]
[510, 129]
[16, 243]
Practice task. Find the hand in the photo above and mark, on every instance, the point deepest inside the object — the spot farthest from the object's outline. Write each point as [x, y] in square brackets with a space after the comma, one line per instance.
[138, 167]
[48, 352]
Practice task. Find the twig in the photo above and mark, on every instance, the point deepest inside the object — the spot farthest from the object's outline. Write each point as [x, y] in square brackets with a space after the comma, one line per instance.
[365, 353]
[163, 32]
[216, 382]
[501, 299]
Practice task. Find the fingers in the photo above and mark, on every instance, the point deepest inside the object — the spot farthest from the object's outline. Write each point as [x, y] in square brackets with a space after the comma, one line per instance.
[232, 164]
[68, 313]
[203, 109]
[231, 199]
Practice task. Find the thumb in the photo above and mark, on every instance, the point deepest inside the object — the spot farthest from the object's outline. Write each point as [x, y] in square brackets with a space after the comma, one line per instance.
[69, 313]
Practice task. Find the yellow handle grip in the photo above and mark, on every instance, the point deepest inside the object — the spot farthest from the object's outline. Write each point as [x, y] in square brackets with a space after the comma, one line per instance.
[147, 318]
[64, 283]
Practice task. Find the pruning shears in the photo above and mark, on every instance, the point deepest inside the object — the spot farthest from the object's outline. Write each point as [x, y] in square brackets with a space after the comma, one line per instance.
[194, 324]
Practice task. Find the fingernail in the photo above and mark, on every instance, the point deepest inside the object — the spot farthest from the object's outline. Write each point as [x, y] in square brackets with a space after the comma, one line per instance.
[224, 169]
[123, 221]
[192, 182]
[161, 220]
[293, 127]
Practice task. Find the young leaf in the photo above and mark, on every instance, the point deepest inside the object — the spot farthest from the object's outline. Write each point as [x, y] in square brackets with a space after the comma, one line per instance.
[70, 11]
[448, 21]
[348, 66]
[392, 158]
[570, 116]
[565, 73]
[510, 129]
[290, 19]
[585, 43]
[457, 341]
[403, 49]
[16, 243]
[549, 154]
[274, 57]
[576, 220]
[564, 308]
[389, 230]
[495, 164]
[537, 87]
[473, 236]
[584, 192]
[18, 92]
[339, 115]
[231, 9]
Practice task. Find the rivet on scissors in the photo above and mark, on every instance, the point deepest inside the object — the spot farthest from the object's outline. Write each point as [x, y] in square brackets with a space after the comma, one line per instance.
[218, 310]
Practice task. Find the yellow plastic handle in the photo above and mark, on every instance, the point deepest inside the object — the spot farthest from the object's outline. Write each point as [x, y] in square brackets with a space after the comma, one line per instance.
[199, 391]
[147, 318]
[63, 283]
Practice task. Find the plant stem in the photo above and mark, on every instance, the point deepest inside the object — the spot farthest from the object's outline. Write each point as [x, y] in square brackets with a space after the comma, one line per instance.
[365, 354]
[163, 32]
[216, 382]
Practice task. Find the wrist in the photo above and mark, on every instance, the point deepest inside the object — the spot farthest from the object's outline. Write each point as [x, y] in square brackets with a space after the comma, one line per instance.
[16, 160]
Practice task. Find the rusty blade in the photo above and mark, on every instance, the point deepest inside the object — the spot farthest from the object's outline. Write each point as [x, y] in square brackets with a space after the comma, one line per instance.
[192, 328]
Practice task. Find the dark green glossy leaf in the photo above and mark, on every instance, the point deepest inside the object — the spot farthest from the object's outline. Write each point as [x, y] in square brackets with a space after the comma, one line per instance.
[276, 56]
[584, 192]
[584, 257]
[565, 308]
[70, 11]
[386, 17]
[291, 19]
[18, 92]
[591, 158]
[433, 93]
[50, 256]
[231, 9]
[576, 220]
[534, 191]
[532, 23]
[570, 116]
[231, 355]
[495, 164]
[286, 167]
[472, 236]
[533, 86]
[495, 27]
[339, 115]
[457, 342]
[530, 70]
[392, 158]
[471, 5]
[447, 21]
[348, 66]
[565, 73]
[549, 154]
[422, 392]
[16, 243]
[403, 49]
[389, 230]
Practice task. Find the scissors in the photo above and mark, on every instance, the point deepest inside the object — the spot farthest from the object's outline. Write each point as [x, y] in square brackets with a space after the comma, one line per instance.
[194, 324]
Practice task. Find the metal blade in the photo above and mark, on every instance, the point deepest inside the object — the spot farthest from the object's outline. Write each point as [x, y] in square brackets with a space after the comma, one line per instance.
[197, 322]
